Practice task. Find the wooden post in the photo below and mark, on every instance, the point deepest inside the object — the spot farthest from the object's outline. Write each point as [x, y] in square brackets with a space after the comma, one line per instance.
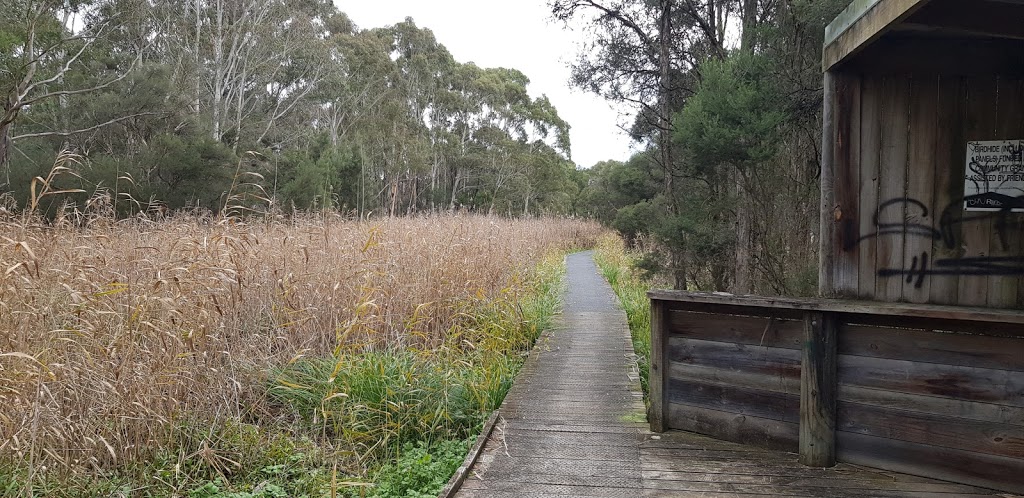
[827, 234]
[658, 415]
[818, 386]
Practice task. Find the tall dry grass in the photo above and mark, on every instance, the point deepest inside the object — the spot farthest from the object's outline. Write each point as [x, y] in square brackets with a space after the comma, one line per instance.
[112, 333]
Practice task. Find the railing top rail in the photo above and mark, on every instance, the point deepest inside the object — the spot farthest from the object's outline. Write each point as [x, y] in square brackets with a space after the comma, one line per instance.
[903, 310]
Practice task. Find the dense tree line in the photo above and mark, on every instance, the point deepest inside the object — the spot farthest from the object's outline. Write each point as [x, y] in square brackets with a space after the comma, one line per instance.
[214, 104]
[728, 95]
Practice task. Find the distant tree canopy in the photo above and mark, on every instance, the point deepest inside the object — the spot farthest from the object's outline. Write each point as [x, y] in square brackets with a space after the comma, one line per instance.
[214, 103]
[728, 99]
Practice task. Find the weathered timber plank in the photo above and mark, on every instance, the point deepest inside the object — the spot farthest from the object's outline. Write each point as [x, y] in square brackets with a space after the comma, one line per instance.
[891, 218]
[691, 441]
[574, 396]
[990, 19]
[551, 417]
[978, 469]
[669, 493]
[949, 186]
[746, 429]
[1005, 240]
[1001, 387]
[932, 347]
[920, 209]
[553, 407]
[657, 376]
[853, 12]
[530, 436]
[567, 426]
[724, 308]
[870, 142]
[767, 463]
[780, 378]
[595, 455]
[933, 429]
[500, 465]
[786, 489]
[961, 56]
[877, 19]
[846, 185]
[953, 408]
[576, 481]
[553, 489]
[827, 229]
[749, 305]
[700, 457]
[818, 388]
[1010, 330]
[777, 362]
[735, 399]
[769, 466]
[852, 481]
[1018, 218]
[486, 493]
[977, 226]
[757, 331]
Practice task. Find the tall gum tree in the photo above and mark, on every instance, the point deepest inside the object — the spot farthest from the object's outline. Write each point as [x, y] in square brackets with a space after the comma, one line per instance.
[643, 54]
[38, 49]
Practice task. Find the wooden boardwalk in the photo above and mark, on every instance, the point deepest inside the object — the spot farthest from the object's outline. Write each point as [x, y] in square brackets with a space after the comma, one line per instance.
[573, 425]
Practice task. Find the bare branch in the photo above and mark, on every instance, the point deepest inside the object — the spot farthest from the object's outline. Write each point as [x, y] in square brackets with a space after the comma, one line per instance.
[101, 86]
[61, 72]
[83, 130]
[618, 16]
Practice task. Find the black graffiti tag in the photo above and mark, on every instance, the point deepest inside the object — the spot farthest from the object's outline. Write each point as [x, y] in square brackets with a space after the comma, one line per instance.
[951, 222]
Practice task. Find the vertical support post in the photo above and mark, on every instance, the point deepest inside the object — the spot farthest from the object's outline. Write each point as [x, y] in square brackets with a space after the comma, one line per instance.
[827, 229]
[658, 374]
[818, 386]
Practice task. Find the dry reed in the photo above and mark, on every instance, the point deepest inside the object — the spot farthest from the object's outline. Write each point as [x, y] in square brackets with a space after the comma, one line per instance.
[112, 332]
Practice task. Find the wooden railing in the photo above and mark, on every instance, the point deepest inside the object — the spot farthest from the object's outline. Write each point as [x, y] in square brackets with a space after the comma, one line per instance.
[935, 391]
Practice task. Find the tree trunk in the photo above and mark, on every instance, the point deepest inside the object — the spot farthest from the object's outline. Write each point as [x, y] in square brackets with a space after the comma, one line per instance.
[744, 243]
[749, 37]
[677, 249]
[742, 280]
[455, 189]
[394, 196]
[5, 150]
[197, 60]
[218, 75]
[664, 111]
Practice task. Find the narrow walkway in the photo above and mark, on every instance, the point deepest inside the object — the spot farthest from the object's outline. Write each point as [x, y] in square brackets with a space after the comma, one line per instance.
[573, 422]
[573, 425]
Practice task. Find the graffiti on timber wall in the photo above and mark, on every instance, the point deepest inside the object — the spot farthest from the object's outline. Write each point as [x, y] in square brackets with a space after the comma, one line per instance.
[908, 218]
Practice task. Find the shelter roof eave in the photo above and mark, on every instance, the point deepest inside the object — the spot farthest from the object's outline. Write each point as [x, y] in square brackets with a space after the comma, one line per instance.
[863, 22]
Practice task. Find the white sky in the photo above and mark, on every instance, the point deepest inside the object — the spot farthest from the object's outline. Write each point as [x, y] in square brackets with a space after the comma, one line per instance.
[518, 35]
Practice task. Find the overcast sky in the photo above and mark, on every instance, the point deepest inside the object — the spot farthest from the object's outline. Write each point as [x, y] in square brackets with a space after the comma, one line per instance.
[515, 34]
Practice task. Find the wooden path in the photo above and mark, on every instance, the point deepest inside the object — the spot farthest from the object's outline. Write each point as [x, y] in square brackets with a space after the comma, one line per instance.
[573, 425]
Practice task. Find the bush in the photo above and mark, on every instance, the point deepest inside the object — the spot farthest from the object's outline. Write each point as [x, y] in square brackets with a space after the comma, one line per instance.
[421, 471]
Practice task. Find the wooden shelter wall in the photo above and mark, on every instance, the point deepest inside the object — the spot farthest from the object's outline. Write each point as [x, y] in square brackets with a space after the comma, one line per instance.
[735, 378]
[935, 404]
[901, 233]
[926, 396]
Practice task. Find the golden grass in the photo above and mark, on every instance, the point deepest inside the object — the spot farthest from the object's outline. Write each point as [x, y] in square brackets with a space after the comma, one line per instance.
[112, 332]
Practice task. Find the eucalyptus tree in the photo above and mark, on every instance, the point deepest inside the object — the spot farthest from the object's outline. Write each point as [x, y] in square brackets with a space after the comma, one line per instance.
[43, 43]
[731, 91]
[165, 99]
[247, 64]
[645, 54]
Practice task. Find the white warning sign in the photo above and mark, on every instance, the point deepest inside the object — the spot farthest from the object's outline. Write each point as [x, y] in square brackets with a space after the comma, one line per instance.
[994, 179]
